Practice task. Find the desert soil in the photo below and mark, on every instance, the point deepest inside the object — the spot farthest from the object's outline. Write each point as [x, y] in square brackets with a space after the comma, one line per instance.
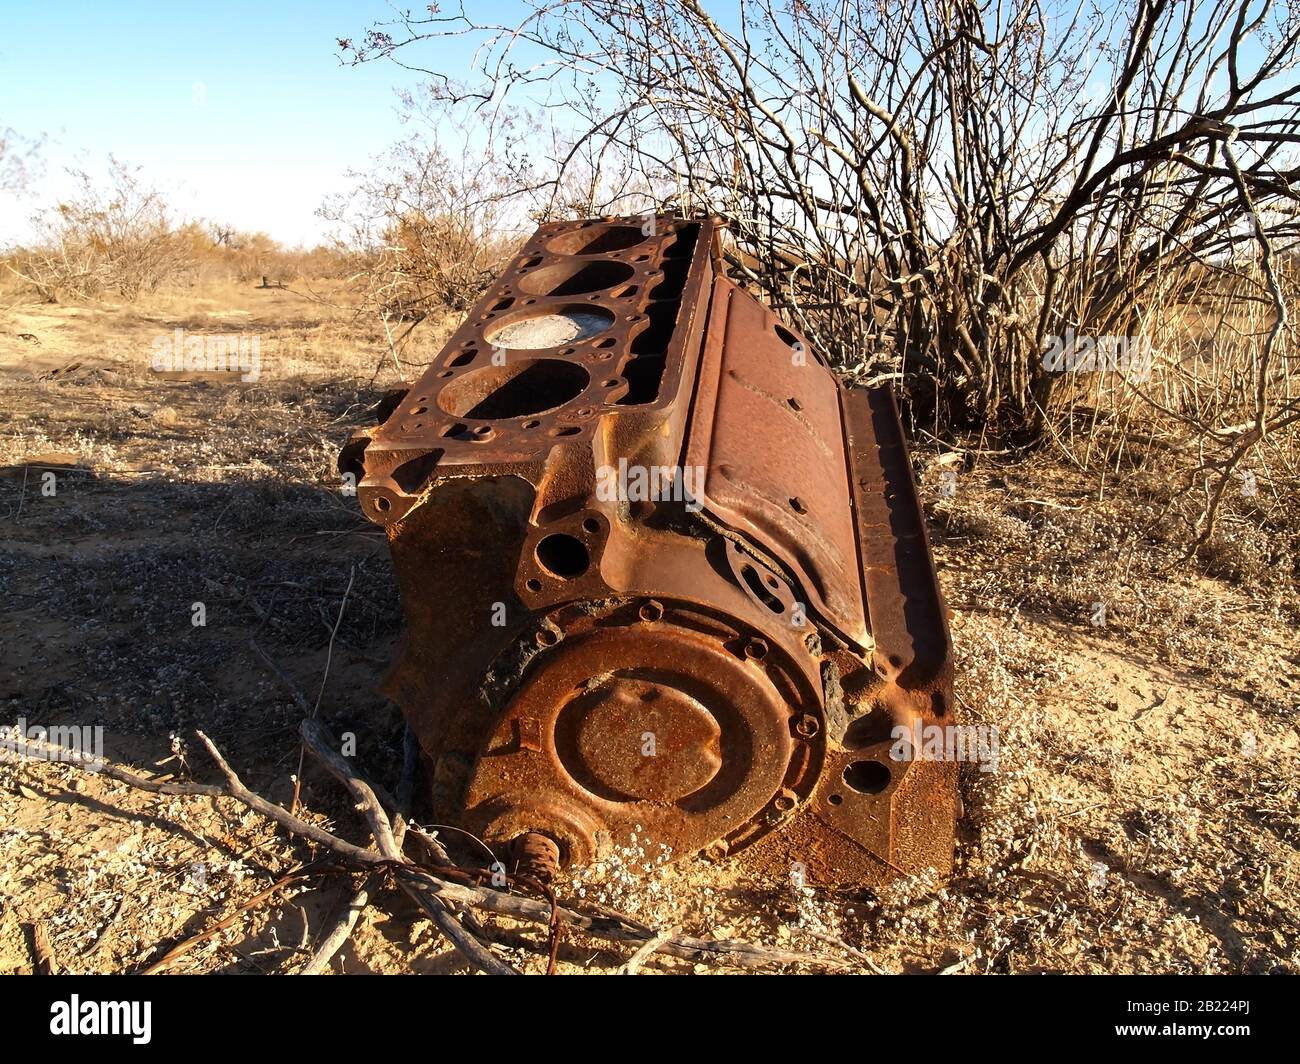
[1142, 818]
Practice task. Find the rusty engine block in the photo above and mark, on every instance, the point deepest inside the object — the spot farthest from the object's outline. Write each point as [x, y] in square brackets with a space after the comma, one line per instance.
[661, 572]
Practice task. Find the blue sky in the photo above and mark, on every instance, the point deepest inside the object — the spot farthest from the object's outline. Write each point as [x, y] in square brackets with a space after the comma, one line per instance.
[241, 111]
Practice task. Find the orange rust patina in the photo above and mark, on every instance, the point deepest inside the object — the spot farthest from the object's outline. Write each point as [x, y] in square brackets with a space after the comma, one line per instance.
[661, 572]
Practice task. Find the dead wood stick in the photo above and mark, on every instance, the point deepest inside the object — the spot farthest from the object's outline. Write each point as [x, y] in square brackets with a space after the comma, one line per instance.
[39, 750]
[346, 923]
[437, 854]
[644, 951]
[600, 924]
[424, 840]
[616, 928]
[300, 700]
[236, 789]
[866, 958]
[43, 962]
[318, 740]
[342, 930]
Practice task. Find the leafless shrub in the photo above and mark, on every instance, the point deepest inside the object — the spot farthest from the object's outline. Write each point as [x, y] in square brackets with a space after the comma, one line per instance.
[934, 191]
[244, 257]
[116, 237]
[224, 252]
[427, 229]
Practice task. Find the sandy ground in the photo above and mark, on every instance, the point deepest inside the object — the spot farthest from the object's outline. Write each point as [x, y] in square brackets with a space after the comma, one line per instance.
[1143, 817]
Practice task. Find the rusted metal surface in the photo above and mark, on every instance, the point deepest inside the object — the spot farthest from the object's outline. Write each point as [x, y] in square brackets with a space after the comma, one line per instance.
[715, 666]
[771, 434]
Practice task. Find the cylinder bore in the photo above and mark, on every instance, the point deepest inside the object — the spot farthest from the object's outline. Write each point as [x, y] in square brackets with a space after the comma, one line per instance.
[529, 386]
[575, 278]
[597, 240]
[536, 332]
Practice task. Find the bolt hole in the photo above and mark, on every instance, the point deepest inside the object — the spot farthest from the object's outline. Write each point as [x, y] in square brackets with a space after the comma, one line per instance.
[563, 555]
[591, 525]
[794, 404]
[836, 799]
[650, 611]
[534, 585]
[796, 504]
[755, 584]
[382, 504]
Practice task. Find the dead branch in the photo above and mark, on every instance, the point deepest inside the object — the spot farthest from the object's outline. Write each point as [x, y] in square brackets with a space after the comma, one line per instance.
[599, 923]
[43, 962]
[644, 952]
[342, 930]
[321, 744]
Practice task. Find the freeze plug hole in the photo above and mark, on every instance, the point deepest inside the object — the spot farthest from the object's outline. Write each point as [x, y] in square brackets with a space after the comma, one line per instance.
[563, 555]
[866, 777]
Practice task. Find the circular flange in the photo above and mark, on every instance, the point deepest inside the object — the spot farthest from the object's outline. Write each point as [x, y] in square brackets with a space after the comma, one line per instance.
[663, 728]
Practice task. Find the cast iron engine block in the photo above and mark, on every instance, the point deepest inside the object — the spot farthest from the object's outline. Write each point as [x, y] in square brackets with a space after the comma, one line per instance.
[661, 572]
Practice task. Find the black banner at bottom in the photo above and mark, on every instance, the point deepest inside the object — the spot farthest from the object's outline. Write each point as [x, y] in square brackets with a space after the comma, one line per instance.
[334, 1013]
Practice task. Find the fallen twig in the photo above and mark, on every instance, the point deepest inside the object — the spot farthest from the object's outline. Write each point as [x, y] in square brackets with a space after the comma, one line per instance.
[317, 739]
[634, 962]
[43, 962]
[599, 924]
[346, 922]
